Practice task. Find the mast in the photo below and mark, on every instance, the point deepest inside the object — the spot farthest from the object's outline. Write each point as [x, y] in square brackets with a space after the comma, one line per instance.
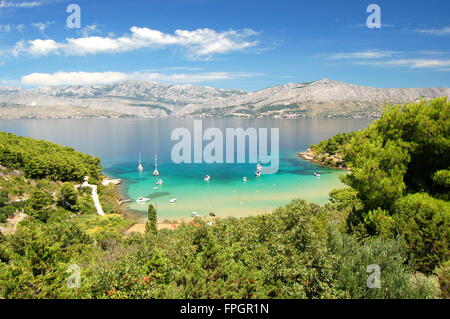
[140, 167]
[155, 172]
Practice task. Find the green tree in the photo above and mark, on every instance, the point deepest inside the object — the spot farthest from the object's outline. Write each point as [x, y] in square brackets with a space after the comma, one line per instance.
[378, 168]
[40, 200]
[152, 220]
[68, 197]
[424, 222]
[39, 204]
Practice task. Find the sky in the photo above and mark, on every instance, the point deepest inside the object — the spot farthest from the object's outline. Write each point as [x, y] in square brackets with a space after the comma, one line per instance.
[226, 44]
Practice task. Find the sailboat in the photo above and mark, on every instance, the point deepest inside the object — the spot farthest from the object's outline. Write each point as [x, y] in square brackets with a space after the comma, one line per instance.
[258, 167]
[140, 167]
[155, 172]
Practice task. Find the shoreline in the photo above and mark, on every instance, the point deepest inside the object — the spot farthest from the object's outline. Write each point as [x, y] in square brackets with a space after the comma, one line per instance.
[138, 217]
[310, 156]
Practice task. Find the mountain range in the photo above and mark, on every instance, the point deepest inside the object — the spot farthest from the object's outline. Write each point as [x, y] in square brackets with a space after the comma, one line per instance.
[135, 98]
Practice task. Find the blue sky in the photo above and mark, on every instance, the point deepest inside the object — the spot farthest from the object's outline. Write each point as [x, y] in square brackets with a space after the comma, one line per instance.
[225, 43]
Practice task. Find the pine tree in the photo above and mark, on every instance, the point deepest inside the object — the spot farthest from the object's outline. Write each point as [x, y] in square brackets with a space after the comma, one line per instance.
[151, 225]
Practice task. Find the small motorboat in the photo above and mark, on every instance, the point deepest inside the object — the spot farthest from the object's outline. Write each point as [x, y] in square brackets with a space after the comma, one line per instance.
[194, 214]
[207, 178]
[156, 187]
[258, 173]
[244, 179]
[142, 200]
[159, 182]
[173, 200]
[258, 167]
[316, 174]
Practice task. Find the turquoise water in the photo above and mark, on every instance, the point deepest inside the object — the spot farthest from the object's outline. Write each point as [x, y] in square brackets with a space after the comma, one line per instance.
[118, 142]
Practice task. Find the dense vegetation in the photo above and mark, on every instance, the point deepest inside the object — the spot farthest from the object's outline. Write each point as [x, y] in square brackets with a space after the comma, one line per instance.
[330, 152]
[389, 217]
[399, 168]
[295, 252]
[45, 160]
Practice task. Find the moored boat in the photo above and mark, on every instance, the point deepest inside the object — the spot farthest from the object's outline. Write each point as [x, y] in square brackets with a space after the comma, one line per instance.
[156, 172]
[142, 199]
[140, 166]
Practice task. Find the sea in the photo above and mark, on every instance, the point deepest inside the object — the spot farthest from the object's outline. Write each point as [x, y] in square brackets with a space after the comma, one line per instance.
[120, 142]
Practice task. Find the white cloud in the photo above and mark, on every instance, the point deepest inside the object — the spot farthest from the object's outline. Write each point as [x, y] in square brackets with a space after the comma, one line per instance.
[414, 59]
[199, 43]
[6, 28]
[89, 30]
[89, 78]
[72, 78]
[370, 54]
[41, 26]
[417, 63]
[442, 31]
[19, 4]
[42, 47]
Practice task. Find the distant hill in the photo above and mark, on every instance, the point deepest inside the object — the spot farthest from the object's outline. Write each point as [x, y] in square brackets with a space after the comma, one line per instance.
[134, 98]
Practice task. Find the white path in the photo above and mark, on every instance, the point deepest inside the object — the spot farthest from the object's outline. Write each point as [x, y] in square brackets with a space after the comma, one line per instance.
[95, 198]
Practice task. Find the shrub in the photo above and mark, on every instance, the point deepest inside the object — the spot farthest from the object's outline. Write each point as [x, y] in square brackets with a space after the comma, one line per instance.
[424, 222]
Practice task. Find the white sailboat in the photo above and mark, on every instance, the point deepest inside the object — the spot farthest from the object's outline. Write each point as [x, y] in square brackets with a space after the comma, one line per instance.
[155, 172]
[258, 167]
[140, 167]
[244, 179]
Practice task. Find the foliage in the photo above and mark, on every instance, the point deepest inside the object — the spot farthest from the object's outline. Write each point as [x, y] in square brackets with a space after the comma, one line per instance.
[388, 217]
[68, 197]
[41, 159]
[443, 273]
[334, 144]
[36, 257]
[396, 280]
[424, 222]
[152, 222]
